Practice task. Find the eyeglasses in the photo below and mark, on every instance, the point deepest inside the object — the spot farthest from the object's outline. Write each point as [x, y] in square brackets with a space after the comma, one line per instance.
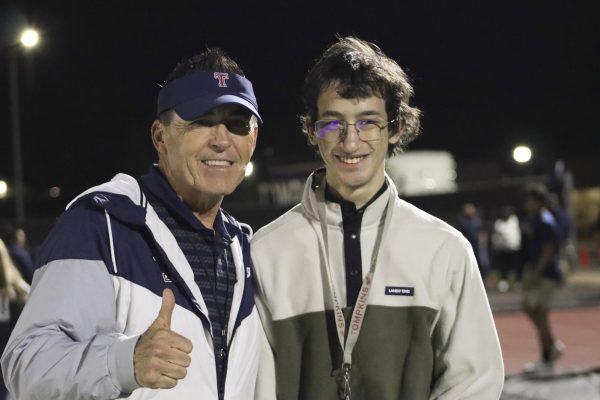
[333, 130]
[240, 127]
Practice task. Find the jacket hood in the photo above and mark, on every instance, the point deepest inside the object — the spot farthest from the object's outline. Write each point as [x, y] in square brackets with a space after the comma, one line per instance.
[121, 198]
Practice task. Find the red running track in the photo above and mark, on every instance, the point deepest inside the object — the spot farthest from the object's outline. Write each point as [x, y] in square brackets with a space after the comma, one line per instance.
[578, 329]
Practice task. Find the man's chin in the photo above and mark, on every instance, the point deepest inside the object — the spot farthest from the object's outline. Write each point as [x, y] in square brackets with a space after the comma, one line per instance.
[218, 189]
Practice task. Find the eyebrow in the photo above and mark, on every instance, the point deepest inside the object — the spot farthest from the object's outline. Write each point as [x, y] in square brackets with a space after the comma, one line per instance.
[337, 114]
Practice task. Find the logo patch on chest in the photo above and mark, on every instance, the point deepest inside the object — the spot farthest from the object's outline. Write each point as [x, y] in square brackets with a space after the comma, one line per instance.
[399, 291]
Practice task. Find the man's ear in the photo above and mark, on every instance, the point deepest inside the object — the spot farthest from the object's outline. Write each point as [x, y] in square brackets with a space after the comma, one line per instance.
[254, 135]
[309, 129]
[157, 131]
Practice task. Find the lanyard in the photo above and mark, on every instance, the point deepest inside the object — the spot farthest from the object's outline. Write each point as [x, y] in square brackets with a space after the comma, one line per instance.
[361, 303]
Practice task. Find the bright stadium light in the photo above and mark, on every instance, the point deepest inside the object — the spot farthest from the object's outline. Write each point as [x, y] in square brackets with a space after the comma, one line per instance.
[3, 189]
[30, 38]
[522, 154]
[249, 169]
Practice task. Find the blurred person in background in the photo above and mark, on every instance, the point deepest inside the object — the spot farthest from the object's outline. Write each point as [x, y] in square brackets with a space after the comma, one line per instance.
[506, 242]
[364, 296]
[469, 223]
[13, 288]
[542, 274]
[15, 240]
[564, 222]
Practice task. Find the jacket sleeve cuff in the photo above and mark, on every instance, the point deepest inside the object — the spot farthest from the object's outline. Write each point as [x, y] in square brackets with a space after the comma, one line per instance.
[120, 363]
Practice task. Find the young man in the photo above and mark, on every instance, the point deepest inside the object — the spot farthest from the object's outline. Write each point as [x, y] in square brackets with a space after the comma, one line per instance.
[144, 288]
[542, 273]
[362, 295]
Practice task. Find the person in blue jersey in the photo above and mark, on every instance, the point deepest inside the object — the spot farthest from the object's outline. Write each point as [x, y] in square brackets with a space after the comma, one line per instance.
[143, 288]
[542, 274]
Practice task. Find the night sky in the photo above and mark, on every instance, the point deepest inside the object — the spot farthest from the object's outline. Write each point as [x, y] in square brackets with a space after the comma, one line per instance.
[487, 75]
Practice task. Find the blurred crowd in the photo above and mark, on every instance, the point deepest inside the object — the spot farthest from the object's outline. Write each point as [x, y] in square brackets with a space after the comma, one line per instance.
[530, 247]
[501, 239]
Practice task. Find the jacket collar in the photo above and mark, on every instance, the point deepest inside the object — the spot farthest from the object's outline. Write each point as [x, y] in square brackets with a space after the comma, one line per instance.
[158, 186]
[372, 213]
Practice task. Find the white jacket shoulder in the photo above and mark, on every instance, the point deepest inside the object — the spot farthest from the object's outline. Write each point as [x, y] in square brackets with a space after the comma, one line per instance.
[285, 222]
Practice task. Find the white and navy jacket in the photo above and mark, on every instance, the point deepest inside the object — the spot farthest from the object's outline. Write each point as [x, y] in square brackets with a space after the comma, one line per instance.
[98, 287]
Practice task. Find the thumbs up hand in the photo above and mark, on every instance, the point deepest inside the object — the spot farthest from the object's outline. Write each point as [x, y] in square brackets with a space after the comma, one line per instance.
[161, 356]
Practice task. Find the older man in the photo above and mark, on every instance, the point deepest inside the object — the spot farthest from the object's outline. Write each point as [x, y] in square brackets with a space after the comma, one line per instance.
[145, 284]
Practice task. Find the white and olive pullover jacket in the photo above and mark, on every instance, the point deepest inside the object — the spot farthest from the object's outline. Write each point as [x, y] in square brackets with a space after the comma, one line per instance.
[428, 331]
[98, 287]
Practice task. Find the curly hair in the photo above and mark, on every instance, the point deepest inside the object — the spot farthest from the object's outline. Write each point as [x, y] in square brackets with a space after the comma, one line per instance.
[359, 69]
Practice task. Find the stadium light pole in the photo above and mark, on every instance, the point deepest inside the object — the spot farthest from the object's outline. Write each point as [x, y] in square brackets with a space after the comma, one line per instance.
[29, 38]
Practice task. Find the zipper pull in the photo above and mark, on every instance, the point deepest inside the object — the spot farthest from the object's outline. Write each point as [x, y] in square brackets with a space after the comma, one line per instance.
[222, 353]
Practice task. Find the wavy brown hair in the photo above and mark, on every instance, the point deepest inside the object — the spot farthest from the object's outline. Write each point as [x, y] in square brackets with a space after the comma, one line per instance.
[359, 69]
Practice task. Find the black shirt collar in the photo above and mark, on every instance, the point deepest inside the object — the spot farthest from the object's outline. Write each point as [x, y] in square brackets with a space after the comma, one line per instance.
[348, 207]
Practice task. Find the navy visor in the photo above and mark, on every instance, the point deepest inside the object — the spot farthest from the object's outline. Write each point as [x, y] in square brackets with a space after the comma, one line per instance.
[196, 94]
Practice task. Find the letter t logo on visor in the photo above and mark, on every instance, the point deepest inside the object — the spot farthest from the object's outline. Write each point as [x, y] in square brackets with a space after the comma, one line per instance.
[221, 77]
[197, 93]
